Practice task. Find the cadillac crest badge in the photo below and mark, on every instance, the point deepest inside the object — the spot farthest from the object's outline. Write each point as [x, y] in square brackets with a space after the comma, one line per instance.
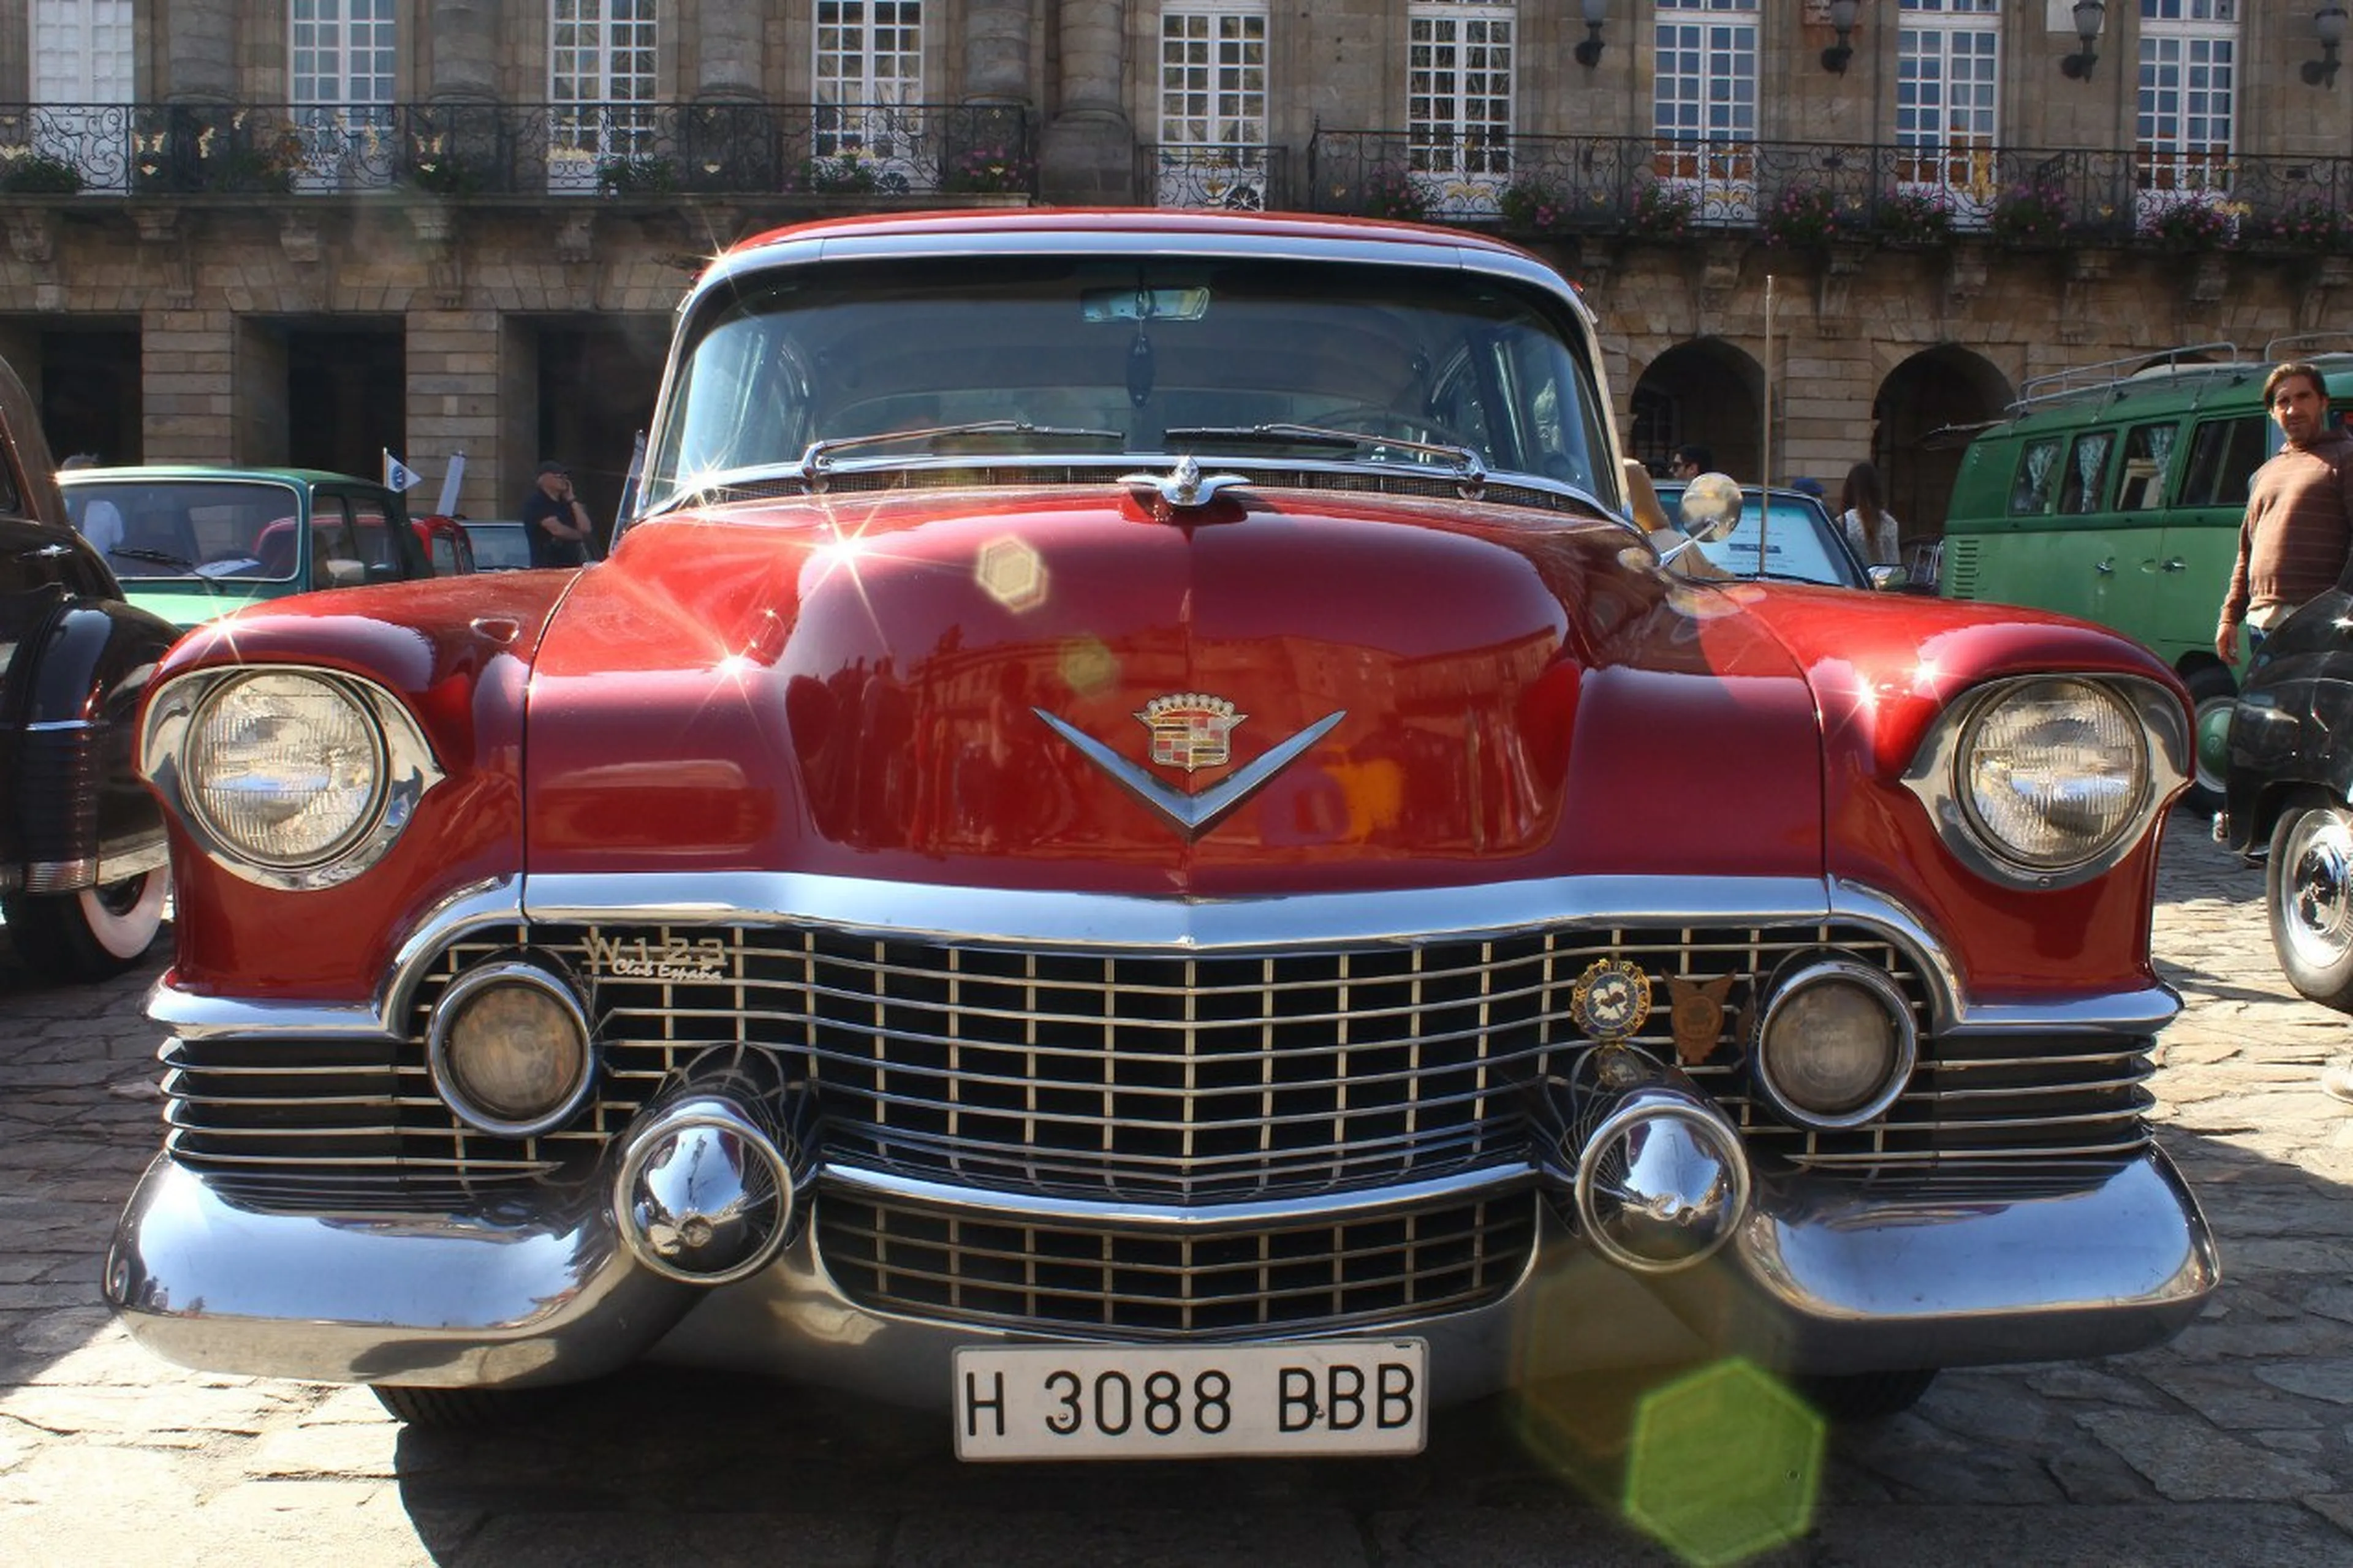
[1612, 999]
[1190, 730]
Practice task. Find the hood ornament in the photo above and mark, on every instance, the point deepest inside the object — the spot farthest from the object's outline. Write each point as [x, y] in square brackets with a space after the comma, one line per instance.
[1183, 488]
[1190, 730]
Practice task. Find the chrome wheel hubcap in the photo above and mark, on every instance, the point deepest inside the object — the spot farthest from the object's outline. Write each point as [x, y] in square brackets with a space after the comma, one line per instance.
[2318, 894]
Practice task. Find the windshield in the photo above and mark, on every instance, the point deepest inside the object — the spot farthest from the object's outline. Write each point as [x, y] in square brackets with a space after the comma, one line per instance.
[1117, 359]
[188, 528]
[1799, 544]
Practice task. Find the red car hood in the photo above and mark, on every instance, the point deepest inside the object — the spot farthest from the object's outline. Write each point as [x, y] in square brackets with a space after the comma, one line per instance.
[1036, 691]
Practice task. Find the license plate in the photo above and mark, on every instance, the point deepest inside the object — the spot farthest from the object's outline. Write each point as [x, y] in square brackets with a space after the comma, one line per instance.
[1152, 1401]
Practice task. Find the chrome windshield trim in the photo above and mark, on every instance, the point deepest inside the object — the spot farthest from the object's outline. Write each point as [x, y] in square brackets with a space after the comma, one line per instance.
[1311, 1209]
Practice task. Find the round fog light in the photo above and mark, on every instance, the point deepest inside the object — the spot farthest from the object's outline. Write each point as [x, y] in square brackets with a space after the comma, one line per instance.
[1834, 1046]
[508, 1049]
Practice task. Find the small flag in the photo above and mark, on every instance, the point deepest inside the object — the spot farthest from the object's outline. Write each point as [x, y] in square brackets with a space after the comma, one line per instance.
[399, 476]
[448, 507]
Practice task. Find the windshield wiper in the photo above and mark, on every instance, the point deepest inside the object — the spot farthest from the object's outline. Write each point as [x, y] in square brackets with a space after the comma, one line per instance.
[153, 557]
[1465, 461]
[819, 454]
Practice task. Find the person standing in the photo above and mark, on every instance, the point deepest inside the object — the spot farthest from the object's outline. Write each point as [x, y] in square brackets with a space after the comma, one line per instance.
[1870, 527]
[2293, 544]
[555, 521]
[2299, 523]
[1689, 461]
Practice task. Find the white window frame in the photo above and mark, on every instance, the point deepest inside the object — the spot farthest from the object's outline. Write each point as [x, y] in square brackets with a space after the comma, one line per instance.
[602, 65]
[1459, 118]
[866, 70]
[1703, 95]
[343, 64]
[1956, 143]
[1213, 123]
[2196, 41]
[83, 75]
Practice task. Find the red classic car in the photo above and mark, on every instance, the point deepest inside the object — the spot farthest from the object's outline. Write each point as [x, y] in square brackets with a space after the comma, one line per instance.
[1133, 842]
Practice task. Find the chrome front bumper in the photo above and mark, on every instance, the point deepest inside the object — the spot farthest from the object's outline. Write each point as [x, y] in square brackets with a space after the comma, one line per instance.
[1823, 1276]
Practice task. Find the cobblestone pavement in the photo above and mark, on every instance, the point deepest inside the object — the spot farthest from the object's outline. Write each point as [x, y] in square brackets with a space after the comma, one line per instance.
[2234, 1445]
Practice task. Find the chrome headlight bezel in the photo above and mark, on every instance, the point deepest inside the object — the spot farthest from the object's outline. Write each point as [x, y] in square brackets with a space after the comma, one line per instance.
[404, 766]
[448, 1075]
[1939, 777]
[1902, 1047]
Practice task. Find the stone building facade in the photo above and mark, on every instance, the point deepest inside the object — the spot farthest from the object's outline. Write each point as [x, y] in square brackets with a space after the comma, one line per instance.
[308, 230]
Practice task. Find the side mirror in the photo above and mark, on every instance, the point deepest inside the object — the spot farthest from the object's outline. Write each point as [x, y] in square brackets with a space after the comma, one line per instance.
[1890, 579]
[1710, 508]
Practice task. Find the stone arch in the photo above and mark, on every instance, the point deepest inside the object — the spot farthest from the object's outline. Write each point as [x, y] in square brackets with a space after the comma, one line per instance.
[1925, 410]
[1706, 391]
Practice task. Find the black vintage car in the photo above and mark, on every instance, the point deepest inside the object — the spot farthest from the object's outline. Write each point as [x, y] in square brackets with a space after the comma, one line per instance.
[2287, 762]
[84, 869]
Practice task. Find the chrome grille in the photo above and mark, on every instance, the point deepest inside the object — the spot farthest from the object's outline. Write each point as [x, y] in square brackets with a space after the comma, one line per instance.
[939, 1263]
[1146, 1078]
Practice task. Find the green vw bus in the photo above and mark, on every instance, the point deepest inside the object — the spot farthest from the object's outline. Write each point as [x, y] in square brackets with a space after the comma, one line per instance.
[2114, 492]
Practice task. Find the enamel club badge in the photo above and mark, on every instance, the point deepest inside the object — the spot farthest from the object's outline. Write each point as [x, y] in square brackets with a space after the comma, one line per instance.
[1612, 999]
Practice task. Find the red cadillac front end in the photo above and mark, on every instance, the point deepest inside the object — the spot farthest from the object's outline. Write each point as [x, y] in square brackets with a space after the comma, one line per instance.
[1132, 844]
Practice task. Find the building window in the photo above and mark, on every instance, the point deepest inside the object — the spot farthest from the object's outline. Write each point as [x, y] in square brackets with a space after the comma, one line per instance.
[2188, 103]
[342, 54]
[601, 86]
[81, 72]
[1947, 65]
[1213, 135]
[1459, 103]
[1704, 104]
[869, 78]
[342, 51]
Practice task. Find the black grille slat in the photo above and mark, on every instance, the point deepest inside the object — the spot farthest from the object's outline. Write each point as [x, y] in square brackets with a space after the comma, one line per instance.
[997, 1270]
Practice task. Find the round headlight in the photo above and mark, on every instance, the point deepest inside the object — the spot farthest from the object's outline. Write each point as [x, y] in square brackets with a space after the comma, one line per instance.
[2053, 772]
[508, 1045]
[1835, 1045]
[285, 768]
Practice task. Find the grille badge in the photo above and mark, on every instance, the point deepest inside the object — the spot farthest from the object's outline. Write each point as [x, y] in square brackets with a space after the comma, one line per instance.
[1193, 814]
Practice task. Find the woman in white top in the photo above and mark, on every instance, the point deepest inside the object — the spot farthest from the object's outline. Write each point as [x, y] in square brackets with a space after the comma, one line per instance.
[1870, 527]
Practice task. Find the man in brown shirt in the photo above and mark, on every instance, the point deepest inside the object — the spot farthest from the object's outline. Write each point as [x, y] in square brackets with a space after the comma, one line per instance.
[2299, 524]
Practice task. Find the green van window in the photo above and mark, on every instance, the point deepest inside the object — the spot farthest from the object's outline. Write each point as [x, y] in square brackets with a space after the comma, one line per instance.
[2223, 456]
[2142, 485]
[2037, 484]
[2079, 486]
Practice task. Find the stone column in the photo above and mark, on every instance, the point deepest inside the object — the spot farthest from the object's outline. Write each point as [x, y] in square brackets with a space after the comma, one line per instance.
[729, 44]
[1088, 154]
[996, 52]
[200, 51]
[456, 141]
[465, 52]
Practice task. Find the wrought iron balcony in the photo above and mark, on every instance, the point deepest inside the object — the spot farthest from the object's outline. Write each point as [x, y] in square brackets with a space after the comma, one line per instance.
[1813, 194]
[1237, 177]
[645, 150]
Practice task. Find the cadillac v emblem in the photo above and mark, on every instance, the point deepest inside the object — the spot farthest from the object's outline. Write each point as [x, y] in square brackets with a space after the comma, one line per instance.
[1192, 731]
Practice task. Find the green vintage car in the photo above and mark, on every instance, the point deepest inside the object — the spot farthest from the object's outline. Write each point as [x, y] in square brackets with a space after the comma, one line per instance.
[2114, 492]
[190, 543]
